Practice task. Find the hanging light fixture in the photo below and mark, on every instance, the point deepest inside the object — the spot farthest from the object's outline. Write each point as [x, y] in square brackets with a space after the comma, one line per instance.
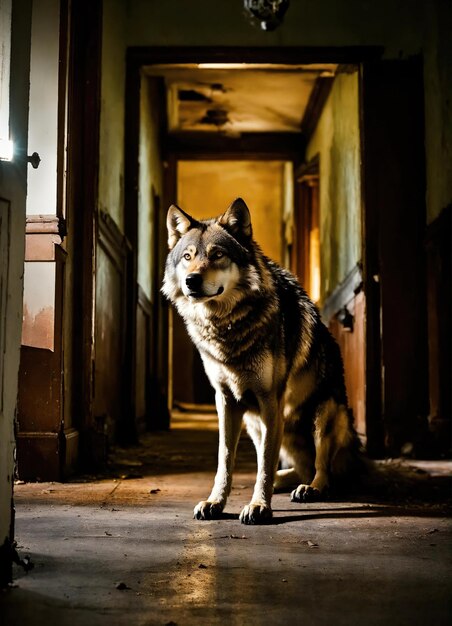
[269, 13]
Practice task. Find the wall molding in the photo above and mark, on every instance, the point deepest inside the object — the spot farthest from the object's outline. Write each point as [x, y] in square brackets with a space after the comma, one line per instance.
[343, 293]
[317, 99]
[112, 240]
[143, 301]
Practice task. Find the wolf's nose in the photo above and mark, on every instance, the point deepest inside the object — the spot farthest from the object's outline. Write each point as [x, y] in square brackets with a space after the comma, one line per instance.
[193, 281]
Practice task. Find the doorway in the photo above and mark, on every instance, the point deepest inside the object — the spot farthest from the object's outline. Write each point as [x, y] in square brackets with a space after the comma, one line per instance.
[201, 118]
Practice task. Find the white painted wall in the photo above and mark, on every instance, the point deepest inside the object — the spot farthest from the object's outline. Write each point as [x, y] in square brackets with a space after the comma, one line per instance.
[43, 120]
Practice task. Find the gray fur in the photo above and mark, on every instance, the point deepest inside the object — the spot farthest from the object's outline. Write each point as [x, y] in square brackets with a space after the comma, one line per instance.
[268, 356]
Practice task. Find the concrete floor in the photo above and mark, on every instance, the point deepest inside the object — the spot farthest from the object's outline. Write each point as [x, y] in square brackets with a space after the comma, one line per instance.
[382, 557]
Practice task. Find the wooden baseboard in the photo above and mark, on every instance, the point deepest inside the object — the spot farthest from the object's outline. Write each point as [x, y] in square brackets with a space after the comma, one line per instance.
[44, 456]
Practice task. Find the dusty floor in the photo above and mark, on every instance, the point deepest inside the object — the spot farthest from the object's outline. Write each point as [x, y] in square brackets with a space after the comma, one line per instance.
[124, 549]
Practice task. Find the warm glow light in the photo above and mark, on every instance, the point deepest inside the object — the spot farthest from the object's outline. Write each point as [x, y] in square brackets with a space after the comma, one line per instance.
[224, 66]
[6, 150]
[314, 264]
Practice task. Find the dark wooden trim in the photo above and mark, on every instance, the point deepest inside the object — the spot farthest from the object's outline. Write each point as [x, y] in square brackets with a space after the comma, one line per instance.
[369, 160]
[318, 97]
[286, 55]
[343, 294]
[250, 146]
[393, 260]
[131, 179]
[311, 168]
[112, 240]
[63, 84]
[84, 84]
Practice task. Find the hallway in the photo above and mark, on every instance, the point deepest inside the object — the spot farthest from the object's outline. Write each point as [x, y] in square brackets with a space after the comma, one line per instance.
[122, 548]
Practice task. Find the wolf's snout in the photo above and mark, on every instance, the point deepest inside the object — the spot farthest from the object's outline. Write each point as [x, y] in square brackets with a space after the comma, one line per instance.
[193, 281]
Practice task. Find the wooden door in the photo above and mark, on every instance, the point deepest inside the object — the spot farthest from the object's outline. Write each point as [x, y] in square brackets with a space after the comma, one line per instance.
[394, 255]
[15, 24]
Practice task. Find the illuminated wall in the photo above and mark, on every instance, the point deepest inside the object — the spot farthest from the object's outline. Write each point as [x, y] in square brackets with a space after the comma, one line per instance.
[206, 189]
[337, 141]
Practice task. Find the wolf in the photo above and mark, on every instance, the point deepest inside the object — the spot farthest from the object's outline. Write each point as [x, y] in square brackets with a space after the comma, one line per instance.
[270, 359]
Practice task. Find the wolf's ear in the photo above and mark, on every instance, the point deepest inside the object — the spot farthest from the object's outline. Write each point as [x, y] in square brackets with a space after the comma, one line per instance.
[178, 223]
[237, 220]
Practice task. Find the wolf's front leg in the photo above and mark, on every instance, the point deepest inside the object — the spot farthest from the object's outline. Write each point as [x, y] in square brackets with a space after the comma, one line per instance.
[259, 511]
[230, 416]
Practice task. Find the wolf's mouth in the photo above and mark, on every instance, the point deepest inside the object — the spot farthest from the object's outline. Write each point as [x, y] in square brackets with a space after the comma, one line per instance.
[198, 295]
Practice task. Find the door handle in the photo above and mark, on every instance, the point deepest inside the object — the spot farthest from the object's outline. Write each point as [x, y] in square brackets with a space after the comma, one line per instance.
[34, 160]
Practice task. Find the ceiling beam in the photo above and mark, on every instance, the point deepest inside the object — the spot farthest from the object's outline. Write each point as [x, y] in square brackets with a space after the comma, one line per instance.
[259, 146]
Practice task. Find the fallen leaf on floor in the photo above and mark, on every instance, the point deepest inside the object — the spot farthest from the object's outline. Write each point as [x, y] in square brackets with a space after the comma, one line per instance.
[234, 537]
[284, 580]
[107, 533]
[312, 544]
[202, 566]
[154, 490]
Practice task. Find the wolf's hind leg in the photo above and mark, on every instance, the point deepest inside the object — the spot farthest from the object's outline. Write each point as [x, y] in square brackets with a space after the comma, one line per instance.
[332, 432]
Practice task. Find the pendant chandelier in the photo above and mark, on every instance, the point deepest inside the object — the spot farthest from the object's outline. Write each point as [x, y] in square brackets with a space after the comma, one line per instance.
[268, 13]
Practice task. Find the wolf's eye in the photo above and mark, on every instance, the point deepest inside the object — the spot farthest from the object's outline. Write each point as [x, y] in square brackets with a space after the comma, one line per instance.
[218, 255]
[187, 257]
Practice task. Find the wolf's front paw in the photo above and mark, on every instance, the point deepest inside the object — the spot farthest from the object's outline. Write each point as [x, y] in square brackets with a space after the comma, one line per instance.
[306, 493]
[256, 514]
[207, 510]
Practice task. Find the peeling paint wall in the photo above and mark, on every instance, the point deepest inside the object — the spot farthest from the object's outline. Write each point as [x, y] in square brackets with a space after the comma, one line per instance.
[337, 141]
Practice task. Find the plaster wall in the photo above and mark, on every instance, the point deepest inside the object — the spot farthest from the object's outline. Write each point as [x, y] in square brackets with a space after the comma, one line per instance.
[111, 143]
[207, 188]
[337, 141]
[150, 179]
[43, 111]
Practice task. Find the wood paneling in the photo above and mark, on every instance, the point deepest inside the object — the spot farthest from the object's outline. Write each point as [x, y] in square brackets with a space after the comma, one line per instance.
[110, 310]
[143, 361]
[394, 255]
[351, 339]
[46, 449]
[351, 343]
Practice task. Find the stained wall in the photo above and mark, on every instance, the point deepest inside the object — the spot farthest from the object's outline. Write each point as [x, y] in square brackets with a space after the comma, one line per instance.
[337, 142]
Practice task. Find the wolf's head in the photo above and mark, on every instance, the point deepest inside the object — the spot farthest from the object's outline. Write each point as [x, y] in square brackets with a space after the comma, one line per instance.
[207, 258]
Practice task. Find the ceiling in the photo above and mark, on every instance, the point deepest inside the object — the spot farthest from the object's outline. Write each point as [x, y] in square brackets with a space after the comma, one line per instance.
[238, 98]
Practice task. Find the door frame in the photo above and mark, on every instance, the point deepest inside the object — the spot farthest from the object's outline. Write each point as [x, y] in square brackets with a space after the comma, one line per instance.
[199, 148]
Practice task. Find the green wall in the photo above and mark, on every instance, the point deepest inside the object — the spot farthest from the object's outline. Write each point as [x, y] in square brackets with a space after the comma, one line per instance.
[337, 142]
